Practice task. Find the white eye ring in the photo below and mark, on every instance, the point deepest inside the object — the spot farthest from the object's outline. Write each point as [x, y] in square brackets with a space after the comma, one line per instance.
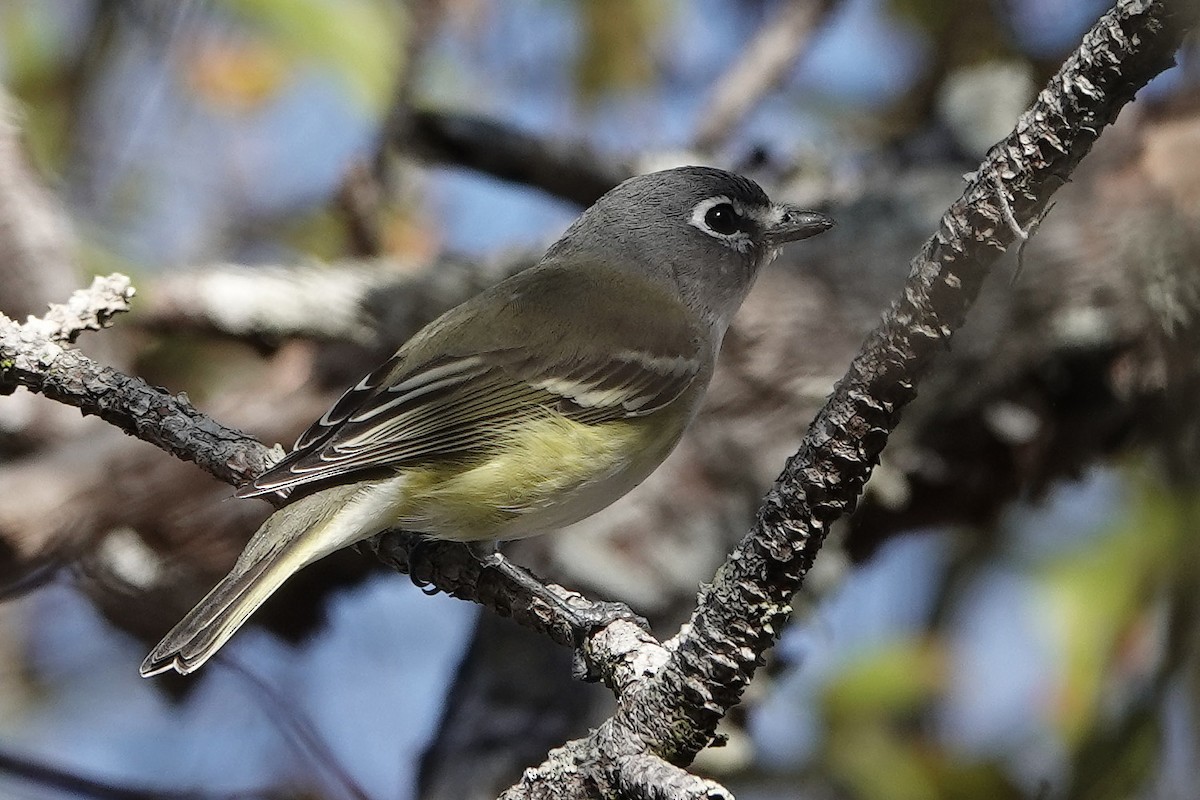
[739, 240]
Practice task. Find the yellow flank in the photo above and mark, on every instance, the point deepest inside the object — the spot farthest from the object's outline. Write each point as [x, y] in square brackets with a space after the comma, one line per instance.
[543, 471]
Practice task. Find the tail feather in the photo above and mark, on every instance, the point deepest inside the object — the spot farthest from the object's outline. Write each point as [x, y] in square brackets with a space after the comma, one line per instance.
[291, 538]
[221, 613]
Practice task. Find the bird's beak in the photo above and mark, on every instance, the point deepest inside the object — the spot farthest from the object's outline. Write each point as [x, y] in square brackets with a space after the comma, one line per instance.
[789, 223]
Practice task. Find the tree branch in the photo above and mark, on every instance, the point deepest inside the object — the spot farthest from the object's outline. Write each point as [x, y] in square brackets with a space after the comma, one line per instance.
[674, 712]
[87, 310]
[568, 170]
[764, 62]
[31, 356]
[268, 301]
[671, 703]
[742, 613]
[364, 301]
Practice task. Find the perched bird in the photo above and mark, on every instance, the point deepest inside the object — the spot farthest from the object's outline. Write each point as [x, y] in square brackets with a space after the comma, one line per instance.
[530, 406]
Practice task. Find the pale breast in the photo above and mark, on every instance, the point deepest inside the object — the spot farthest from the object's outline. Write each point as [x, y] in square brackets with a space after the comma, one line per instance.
[549, 473]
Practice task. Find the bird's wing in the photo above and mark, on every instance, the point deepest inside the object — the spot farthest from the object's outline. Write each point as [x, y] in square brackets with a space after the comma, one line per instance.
[498, 359]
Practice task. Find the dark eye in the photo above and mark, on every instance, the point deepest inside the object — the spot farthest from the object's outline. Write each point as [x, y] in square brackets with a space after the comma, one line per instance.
[722, 219]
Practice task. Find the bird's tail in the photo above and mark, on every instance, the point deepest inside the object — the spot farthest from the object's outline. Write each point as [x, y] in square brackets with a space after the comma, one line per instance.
[291, 538]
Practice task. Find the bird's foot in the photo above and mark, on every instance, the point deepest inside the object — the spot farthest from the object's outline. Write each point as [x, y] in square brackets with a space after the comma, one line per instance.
[565, 611]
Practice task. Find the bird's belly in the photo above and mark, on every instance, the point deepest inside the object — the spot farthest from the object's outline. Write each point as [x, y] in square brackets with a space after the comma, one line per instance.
[550, 473]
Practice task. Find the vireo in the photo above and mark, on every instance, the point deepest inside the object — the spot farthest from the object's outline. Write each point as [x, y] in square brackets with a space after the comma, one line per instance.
[528, 407]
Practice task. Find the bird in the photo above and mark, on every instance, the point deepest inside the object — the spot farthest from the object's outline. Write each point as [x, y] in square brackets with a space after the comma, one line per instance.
[531, 405]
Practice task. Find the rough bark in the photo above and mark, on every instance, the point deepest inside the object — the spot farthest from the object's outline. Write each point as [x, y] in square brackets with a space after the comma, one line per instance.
[674, 712]
[31, 356]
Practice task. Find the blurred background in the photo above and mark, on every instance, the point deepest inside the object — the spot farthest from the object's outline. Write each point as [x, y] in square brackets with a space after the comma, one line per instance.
[296, 186]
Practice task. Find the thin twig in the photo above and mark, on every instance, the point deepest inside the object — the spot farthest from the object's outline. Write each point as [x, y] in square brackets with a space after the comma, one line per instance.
[296, 726]
[361, 201]
[762, 66]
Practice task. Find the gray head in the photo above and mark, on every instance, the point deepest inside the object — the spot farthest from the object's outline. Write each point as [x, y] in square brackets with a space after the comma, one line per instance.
[703, 231]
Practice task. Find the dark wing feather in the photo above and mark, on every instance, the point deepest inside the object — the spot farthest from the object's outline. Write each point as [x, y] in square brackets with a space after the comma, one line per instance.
[414, 409]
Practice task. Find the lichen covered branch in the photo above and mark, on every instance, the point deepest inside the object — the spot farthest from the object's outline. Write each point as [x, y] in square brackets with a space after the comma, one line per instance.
[32, 355]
